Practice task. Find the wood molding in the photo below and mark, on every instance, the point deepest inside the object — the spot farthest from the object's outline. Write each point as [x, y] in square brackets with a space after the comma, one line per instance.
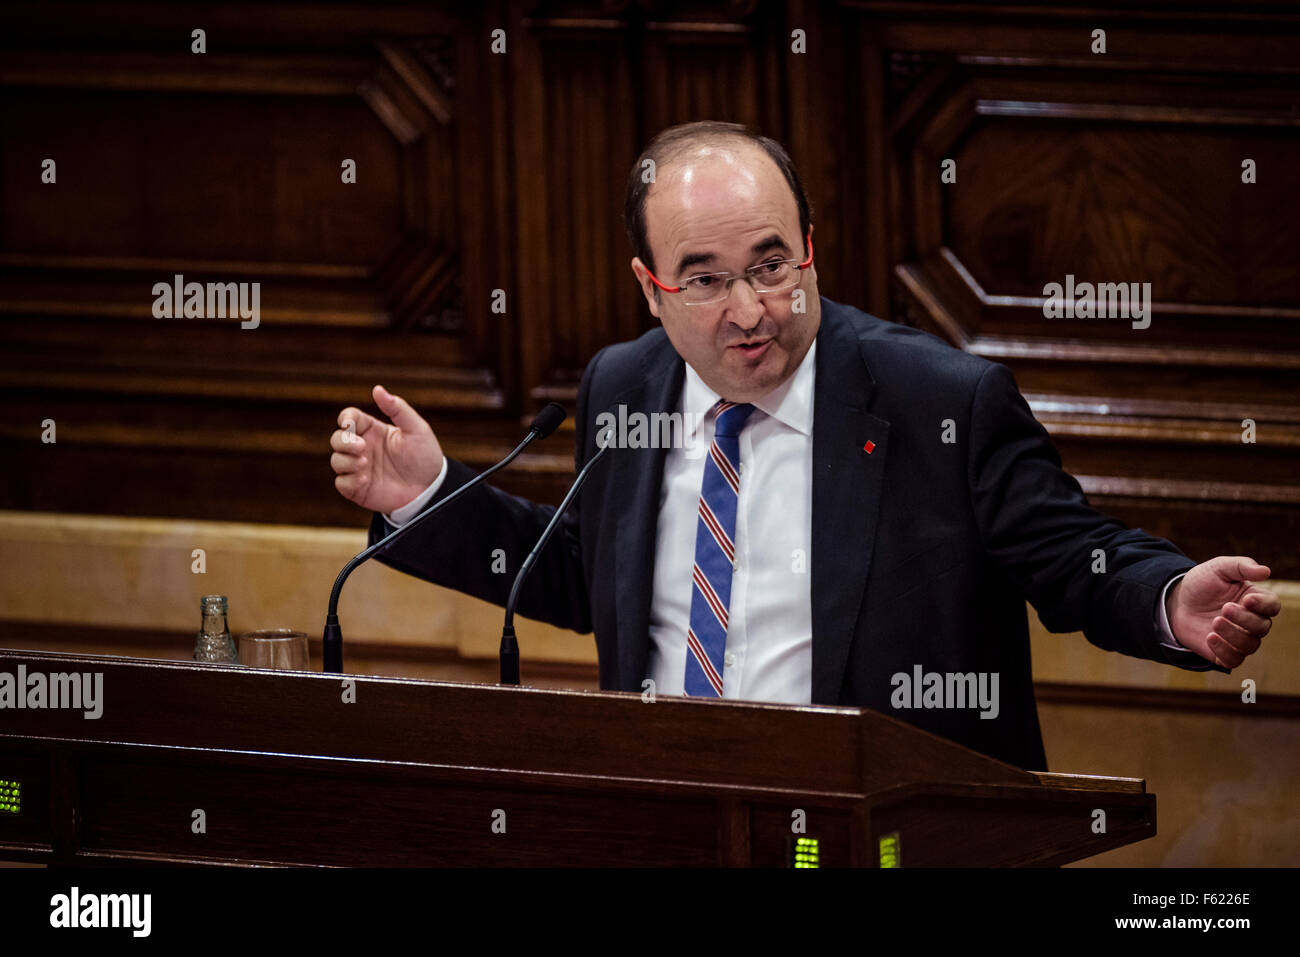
[1166, 699]
[409, 660]
[406, 98]
[950, 118]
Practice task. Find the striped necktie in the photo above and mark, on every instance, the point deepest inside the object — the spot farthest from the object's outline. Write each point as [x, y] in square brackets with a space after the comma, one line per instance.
[715, 554]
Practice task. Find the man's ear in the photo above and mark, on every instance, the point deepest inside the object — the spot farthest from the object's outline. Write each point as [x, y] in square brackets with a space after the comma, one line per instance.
[648, 288]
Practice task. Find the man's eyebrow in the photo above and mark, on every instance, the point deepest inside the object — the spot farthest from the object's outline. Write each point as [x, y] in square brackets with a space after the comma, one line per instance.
[769, 244]
[694, 259]
[773, 242]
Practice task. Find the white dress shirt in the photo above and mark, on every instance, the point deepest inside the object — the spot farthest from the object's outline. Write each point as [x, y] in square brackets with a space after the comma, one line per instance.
[768, 654]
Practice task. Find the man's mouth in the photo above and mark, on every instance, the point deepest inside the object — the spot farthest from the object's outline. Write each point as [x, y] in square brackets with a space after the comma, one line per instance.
[752, 349]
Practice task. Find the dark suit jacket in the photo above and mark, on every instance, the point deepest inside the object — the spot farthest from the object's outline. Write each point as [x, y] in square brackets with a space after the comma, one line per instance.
[923, 551]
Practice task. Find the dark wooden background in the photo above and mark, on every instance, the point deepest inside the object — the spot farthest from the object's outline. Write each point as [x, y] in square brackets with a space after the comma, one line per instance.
[480, 172]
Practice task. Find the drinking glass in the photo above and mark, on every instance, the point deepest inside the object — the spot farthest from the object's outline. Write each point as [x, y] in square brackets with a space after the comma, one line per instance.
[280, 648]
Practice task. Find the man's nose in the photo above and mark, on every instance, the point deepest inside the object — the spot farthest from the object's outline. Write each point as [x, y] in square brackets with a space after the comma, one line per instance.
[744, 305]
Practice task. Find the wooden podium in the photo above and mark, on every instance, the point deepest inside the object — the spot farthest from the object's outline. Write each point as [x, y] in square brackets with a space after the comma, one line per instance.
[202, 764]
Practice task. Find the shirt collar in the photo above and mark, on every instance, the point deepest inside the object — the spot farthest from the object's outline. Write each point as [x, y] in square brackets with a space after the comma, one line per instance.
[790, 403]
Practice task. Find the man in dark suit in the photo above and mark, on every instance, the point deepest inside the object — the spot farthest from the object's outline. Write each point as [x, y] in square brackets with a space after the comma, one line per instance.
[850, 512]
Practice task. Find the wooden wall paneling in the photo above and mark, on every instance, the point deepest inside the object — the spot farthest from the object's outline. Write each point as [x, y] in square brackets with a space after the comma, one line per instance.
[137, 188]
[577, 144]
[702, 71]
[484, 140]
[822, 109]
[535, 259]
[1097, 217]
[161, 25]
[871, 183]
[225, 168]
[1123, 168]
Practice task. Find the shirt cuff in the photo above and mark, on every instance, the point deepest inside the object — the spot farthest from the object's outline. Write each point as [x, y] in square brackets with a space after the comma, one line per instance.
[1167, 633]
[400, 516]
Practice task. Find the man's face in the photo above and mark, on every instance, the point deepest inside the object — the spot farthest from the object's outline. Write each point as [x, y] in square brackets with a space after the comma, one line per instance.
[723, 208]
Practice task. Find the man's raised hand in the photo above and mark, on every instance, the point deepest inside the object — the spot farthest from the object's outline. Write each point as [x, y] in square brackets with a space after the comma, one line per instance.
[379, 466]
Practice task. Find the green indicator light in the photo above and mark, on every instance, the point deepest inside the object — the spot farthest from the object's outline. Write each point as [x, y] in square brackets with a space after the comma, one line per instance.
[890, 850]
[804, 852]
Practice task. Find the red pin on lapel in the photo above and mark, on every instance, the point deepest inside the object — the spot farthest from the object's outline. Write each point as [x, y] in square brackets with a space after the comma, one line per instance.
[869, 447]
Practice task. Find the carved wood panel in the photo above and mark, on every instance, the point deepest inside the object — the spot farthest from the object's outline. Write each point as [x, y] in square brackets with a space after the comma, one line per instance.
[1068, 168]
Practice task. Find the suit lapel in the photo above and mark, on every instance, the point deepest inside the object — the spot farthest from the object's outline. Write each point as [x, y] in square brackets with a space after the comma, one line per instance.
[638, 475]
[846, 493]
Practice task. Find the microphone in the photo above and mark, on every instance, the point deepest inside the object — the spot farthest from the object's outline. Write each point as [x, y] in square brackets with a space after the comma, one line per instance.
[509, 653]
[543, 424]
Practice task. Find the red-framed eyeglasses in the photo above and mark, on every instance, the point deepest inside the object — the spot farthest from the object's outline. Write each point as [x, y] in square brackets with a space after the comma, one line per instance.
[775, 275]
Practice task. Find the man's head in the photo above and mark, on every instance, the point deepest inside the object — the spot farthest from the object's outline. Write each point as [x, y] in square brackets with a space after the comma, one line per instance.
[723, 200]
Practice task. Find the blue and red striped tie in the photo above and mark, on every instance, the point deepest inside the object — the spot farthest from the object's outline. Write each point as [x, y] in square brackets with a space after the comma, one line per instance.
[715, 554]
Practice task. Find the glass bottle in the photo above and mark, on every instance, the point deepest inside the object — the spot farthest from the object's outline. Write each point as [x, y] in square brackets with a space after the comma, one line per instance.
[214, 642]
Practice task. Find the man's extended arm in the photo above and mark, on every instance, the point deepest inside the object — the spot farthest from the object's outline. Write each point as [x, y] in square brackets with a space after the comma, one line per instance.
[459, 548]
[1038, 525]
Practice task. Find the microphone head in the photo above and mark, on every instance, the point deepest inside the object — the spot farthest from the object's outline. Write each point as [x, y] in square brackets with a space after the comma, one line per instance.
[548, 420]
